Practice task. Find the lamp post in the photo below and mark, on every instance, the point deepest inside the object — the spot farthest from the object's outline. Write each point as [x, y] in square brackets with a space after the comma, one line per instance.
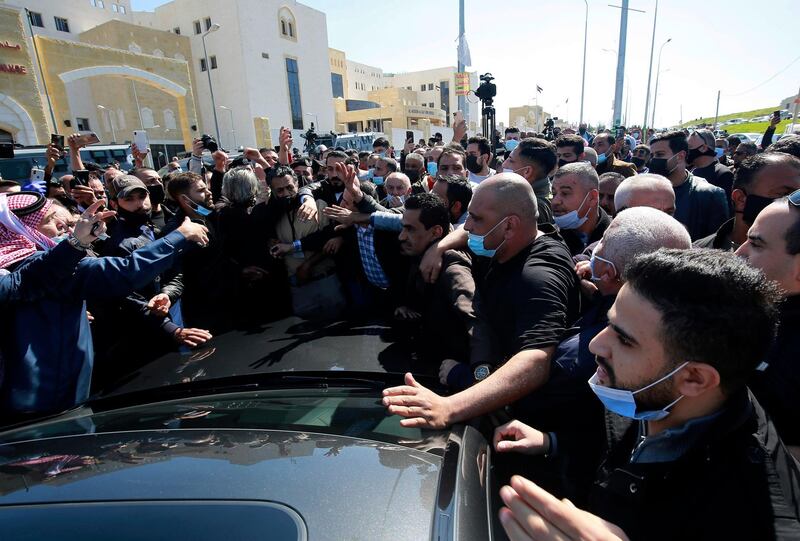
[214, 28]
[110, 122]
[233, 130]
[583, 77]
[650, 70]
[658, 74]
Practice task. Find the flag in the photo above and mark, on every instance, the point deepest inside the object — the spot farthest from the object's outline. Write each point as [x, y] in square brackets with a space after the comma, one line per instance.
[566, 100]
[538, 88]
[463, 51]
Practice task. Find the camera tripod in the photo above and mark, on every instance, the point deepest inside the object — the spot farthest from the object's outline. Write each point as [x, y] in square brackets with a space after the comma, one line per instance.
[487, 120]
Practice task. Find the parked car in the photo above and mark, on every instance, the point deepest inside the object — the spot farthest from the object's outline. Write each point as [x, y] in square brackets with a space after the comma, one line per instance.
[278, 434]
[19, 167]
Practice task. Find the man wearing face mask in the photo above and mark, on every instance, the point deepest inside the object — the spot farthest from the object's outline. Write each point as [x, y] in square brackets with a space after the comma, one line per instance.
[569, 149]
[415, 171]
[605, 145]
[759, 181]
[699, 205]
[329, 190]
[576, 207]
[133, 227]
[512, 138]
[526, 296]
[534, 159]
[398, 188]
[584, 132]
[159, 213]
[673, 366]
[479, 154]
[640, 157]
[702, 157]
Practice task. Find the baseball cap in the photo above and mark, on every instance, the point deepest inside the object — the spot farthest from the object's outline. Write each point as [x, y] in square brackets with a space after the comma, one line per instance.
[124, 185]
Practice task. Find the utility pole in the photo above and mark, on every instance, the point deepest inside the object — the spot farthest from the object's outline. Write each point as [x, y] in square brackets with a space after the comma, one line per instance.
[461, 67]
[794, 113]
[650, 70]
[716, 115]
[623, 34]
[583, 77]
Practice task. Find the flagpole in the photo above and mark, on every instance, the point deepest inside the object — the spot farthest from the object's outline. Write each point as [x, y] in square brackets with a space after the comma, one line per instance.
[461, 102]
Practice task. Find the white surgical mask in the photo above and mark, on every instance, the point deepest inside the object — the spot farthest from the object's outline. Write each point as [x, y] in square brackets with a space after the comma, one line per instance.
[571, 220]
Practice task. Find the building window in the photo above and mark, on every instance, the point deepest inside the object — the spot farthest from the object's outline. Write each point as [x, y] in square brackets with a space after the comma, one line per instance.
[422, 88]
[61, 24]
[179, 56]
[36, 19]
[134, 48]
[203, 66]
[213, 61]
[177, 30]
[114, 8]
[83, 124]
[147, 118]
[294, 93]
[208, 23]
[430, 86]
[121, 124]
[197, 28]
[169, 119]
[122, 9]
[159, 53]
[287, 24]
[337, 85]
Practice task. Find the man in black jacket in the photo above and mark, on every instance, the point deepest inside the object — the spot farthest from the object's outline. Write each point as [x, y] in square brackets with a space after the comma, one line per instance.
[576, 206]
[690, 451]
[773, 245]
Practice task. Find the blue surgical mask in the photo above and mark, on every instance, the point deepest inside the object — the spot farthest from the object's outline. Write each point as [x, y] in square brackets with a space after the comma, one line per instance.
[623, 403]
[595, 257]
[377, 180]
[511, 144]
[719, 152]
[601, 158]
[199, 209]
[60, 238]
[382, 154]
[476, 242]
[433, 168]
[571, 220]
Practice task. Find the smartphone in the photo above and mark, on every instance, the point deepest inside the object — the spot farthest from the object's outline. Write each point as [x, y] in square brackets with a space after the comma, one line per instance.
[57, 141]
[140, 140]
[81, 178]
[89, 138]
[776, 114]
[37, 175]
[409, 136]
[6, 151]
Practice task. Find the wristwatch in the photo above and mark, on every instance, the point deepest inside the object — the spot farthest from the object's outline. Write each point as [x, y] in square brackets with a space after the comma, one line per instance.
[482, 371]
[78, 245]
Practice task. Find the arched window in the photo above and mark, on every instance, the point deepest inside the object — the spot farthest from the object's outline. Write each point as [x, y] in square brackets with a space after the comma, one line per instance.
[121, 119]
[179, 56]
[287, 24]
[134, 48]
[169, 119]
[147, 118]
[159, 53]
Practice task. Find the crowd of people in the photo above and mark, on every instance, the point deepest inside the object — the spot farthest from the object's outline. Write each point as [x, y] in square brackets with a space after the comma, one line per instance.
[661, 268]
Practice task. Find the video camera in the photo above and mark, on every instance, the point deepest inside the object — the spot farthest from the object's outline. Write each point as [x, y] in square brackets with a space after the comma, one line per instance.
[487, 90]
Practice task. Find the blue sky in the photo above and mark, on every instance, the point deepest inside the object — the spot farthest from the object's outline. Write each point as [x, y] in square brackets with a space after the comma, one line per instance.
[727, 45]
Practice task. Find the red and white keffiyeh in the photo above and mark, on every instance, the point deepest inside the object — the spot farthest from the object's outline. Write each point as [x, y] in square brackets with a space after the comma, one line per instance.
[19, 237]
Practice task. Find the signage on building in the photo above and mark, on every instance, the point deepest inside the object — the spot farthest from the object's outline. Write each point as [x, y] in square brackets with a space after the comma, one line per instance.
[462, 84]
[13, 68]
[8, 45]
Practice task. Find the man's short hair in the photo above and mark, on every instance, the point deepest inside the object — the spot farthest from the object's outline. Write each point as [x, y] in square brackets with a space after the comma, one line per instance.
[750, 167]
[575, 141]
[459, 189]
[513, 195]
[590, 155]
[415, 157]
[335, 154]
[734, 141]
[789, 144]
[181, 183]
[793, 233]
[369, 188]
[707, 136]
[301, 161]
[380, 142]
[391, 164]
[715, 309]
[676, 139]
[748, 147]
[240, 186]
[611, 176]
[137, 171]
[282, 171]
[511, 130]
[364, 154]
[608, 136]
[453, 149]
[586, 174]
[649, 182]
[432, 210]
[643, 147]
[539, 151]
[642, 230]
[484, 147]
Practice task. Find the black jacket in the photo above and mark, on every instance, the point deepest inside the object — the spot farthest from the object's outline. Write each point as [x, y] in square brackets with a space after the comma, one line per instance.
[573, 240]
[736, 482]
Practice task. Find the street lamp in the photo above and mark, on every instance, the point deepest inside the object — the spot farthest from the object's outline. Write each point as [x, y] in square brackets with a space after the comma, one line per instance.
[233, 130]
[650, 70]
[214, 28]
[658, 74]
[110, 122]
[583, 77]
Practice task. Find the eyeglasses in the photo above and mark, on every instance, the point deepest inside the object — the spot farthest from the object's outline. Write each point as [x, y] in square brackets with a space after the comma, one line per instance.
[794, 198]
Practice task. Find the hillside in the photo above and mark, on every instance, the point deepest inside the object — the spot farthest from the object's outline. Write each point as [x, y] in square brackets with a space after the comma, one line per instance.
[722, 118]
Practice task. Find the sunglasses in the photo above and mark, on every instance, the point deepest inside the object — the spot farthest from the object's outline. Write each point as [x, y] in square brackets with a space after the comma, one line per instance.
[794, 198]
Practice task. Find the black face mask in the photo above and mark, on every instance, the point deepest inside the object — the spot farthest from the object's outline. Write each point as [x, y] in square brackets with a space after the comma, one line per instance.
[753, 207]
[156, 194]
[473, 165]
[695, 153]
[136, 219]
[287, 202]
[413, 176]
[660, 166]
[562, 163]
[338, 187]
[638, 162]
